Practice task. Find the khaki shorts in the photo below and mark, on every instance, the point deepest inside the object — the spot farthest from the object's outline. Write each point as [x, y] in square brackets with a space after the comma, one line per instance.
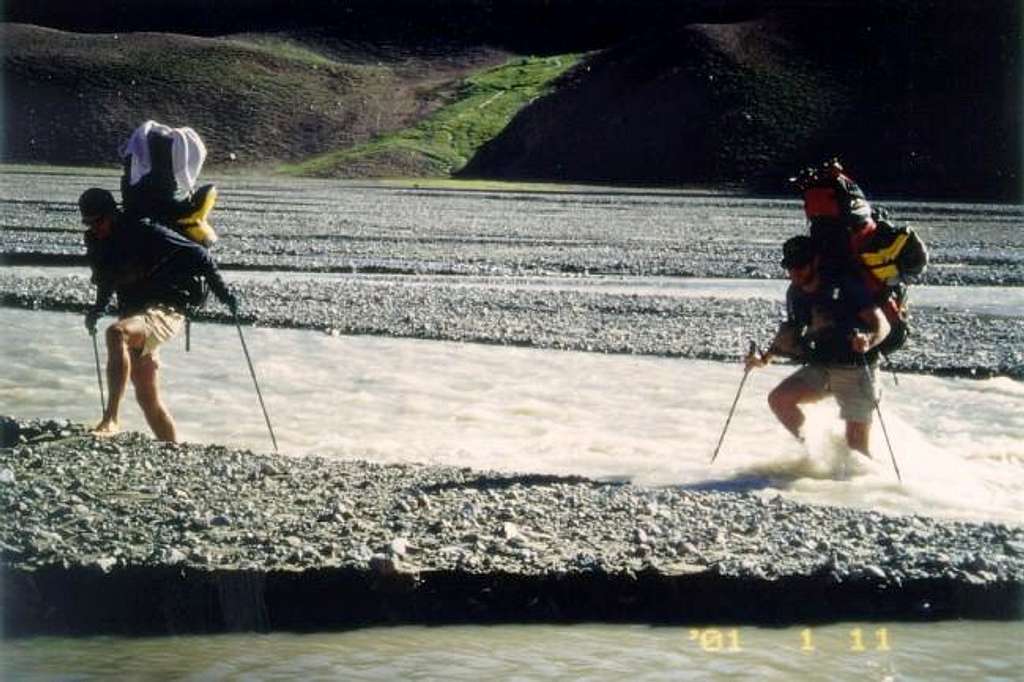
[849, 386]
[161, 323]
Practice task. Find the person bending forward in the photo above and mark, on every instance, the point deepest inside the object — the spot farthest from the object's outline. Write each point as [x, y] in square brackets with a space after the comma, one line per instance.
[832, 326]
[149, 267]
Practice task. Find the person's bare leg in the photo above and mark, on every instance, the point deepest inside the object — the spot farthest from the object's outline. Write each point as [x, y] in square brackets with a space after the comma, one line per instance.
[122, 337]
[857, 436]
[146, 379]
[786, 399]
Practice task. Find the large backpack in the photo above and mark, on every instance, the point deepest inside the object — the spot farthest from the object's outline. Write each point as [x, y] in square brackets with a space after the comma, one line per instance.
[891, 256]
[158, 161]
[847, 229]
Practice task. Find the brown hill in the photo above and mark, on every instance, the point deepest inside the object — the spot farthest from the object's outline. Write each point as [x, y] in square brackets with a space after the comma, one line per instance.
[256, 100]
[918, 97]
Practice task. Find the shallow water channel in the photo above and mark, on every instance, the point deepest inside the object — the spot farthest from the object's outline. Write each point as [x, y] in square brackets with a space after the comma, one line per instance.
[1008, 301]
[959, 443]
[845, 651]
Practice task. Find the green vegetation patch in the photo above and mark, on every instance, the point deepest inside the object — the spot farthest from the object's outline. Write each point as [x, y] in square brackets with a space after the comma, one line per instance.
[443, 142]
[285, 49]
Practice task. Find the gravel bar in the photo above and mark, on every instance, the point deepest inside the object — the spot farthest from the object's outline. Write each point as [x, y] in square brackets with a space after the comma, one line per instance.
[944, 342]
[293, 227]
[126, 535]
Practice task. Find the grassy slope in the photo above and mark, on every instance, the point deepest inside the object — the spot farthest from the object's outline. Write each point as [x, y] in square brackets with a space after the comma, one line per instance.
[443, 142]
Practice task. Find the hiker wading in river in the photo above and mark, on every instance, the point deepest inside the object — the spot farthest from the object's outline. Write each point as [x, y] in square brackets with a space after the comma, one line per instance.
[832, 326]
[153, 271]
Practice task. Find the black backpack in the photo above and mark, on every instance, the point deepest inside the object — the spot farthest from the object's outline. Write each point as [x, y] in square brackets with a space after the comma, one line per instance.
[189, 291]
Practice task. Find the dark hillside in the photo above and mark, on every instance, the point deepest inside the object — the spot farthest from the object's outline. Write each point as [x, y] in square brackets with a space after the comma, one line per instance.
[916, 103]
[702, 104]
[920, 98]
[938, 86]
[525, 26]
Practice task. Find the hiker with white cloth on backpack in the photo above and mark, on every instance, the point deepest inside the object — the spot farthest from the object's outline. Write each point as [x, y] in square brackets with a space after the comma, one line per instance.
[154, 256]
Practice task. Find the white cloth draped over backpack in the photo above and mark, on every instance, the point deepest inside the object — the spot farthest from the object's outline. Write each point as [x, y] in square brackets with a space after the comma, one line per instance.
[187, 153]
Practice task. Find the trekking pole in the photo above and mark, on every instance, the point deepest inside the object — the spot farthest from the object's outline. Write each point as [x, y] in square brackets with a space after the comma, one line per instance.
[878, 410]
[746, 373]
[99, 374]
[252, 371]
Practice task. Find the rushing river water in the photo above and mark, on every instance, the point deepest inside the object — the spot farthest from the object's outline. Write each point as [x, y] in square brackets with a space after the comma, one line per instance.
[653, 421]
[959, 443]
[960, 446]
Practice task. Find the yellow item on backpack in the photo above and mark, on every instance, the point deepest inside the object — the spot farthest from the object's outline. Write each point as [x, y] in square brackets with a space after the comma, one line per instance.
[194, 225]
[882, 262]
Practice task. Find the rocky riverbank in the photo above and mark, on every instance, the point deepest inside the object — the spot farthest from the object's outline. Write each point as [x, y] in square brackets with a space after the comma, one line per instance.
[128, 535]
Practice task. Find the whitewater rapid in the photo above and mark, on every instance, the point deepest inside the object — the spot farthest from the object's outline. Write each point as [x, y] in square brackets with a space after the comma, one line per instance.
[959, 443]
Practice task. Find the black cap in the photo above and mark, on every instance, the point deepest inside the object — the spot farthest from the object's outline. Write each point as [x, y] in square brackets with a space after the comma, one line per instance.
[797, 251]
[95, 203]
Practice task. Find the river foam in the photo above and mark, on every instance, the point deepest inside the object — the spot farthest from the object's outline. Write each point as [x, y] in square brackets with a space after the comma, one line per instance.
[959, 443]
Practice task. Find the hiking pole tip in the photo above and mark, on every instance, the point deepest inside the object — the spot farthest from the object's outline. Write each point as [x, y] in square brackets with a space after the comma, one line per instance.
[881, 422]
[99, 373]
[252, 372]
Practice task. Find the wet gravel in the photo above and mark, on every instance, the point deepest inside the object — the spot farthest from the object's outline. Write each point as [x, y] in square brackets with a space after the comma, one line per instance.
[724, 241]
[945, 342]
[305, 227]
[71, 500]
[340, 227]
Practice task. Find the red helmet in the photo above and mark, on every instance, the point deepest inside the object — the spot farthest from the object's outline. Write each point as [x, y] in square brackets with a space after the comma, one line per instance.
[830, 194]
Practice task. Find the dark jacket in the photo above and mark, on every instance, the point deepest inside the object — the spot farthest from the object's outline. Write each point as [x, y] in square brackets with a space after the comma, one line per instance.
[147, 264]
[826, 319]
